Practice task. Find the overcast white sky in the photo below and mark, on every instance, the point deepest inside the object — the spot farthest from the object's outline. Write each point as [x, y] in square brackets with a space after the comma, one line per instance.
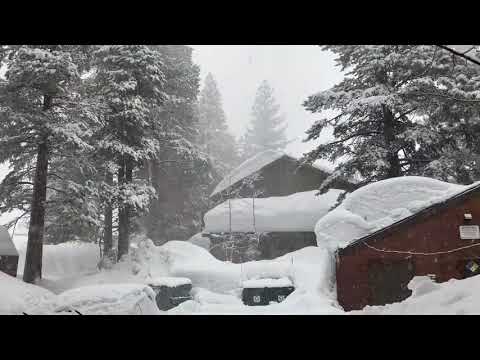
[294, 71]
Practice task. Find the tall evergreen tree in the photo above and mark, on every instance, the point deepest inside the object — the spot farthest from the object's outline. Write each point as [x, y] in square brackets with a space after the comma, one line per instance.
[42, 114]
[181, 172]
[131, 80]
[214, 138]
[381, 129]
[267, 127]
[452, 126]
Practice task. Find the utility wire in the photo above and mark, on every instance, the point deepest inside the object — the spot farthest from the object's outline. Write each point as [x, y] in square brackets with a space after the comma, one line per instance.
[422, 253]
[460, 54]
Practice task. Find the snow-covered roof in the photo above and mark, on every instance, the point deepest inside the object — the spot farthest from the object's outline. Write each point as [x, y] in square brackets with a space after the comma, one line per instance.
[6, 244]
[247, 168]
[169, 281]
[267, 283]
[296, 212]
[379, 205]
[253, 165]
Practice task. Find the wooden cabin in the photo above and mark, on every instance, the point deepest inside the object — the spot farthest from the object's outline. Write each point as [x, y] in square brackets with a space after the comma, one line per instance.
[441, 241]
[270, 173]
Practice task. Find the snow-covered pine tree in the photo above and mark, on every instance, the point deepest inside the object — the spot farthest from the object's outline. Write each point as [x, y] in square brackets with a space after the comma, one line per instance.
[76, 206]
[267, 127]
[380, 115]
[451, 105]
[42, 116]
[214, 138]
[131, 80]
[181, 172]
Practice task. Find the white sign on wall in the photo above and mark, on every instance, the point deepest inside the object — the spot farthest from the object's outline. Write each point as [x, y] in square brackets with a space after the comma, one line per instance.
[469, 232]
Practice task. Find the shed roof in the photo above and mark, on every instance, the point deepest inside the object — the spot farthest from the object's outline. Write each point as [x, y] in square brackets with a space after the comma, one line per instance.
[6, 244]
[254, 164]
[292, 213]
[414, 217]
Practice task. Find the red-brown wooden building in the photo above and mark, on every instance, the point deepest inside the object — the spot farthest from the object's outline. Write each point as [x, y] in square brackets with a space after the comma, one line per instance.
[441, 240]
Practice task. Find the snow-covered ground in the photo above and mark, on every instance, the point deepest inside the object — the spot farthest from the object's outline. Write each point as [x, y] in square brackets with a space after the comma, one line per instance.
[62, 263]
[17, 297]
[217, 285]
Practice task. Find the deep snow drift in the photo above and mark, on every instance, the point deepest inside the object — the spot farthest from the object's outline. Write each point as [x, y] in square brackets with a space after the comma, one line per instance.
[454, 297]
[108, 299]
[217, 285]
[296, 212]
[71, 259]
[17, 297]
[381, 204]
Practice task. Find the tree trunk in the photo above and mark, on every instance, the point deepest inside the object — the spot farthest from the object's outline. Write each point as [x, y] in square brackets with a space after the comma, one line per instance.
[128, 208]
[33, 260]
[124, 211]
[108, 228]
[393, 160]
[122, 219]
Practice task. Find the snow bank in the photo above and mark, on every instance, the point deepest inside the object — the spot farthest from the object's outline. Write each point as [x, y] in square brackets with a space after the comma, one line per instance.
[309, 268]
[187, 260]
[200, 240]
[17, 296]
[296, 212]
[217, 285]
[454, 297]
[111, 299]
[381, 204]
[63, 260]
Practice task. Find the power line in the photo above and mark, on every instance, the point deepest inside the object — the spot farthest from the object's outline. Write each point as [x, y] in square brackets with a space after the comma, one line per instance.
[460, 54]
[422, 253]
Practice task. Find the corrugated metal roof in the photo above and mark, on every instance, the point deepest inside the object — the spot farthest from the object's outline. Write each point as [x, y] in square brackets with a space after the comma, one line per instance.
[7, 247]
